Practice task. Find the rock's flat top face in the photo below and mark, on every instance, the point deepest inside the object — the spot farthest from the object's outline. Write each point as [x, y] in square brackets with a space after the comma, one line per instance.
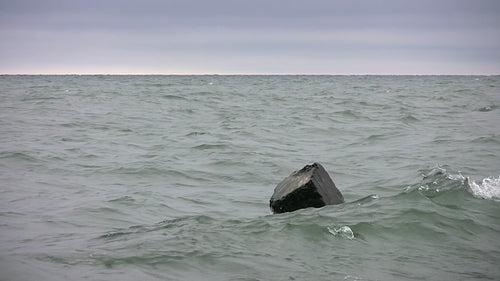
[309, 187]
[292, 182]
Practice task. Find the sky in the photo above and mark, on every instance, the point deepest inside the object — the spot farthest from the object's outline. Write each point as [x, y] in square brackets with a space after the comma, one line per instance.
[250, 37]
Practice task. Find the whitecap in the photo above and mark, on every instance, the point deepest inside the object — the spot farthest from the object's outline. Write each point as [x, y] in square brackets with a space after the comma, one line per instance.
[342, 231]
[458, 177]
[488, 188]
[352, 277]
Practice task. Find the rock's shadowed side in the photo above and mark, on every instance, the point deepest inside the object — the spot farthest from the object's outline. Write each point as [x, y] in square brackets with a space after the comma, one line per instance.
[309, 187]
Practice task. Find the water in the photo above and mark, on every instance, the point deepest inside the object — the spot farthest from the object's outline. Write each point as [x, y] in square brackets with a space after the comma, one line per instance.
[169, 177]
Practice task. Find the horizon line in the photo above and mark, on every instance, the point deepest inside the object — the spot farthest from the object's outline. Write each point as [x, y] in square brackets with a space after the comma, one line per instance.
[231, 74]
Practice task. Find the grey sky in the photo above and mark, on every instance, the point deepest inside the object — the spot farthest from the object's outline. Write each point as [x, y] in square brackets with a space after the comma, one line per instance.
[250, 37]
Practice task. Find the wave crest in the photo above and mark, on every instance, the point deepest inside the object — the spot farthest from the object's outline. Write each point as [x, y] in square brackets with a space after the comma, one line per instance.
[439, 179]
[342, 231]
[488, 188]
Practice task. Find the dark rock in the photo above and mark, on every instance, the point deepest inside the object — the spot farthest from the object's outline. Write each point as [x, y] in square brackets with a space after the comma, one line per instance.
[309, 187]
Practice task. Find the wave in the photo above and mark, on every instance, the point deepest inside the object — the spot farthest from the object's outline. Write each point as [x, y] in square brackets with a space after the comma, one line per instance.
[207, 146]
[342, 231]
[437, 185]
[487, 108]
[488, 139]
[173, 97]
[41, 98]
[408, 118]
[488, 188]
[370, 215]
[440, 208]
[123, 199]
[439, 180]
[15, 155]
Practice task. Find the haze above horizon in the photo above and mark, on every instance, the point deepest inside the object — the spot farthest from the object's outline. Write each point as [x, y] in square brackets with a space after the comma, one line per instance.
[315, 37]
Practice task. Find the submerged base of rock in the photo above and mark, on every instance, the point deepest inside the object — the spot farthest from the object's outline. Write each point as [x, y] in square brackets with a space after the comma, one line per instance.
[310, 186]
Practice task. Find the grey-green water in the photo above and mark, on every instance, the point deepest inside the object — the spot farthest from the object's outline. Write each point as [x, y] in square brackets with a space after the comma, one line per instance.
[169, 177]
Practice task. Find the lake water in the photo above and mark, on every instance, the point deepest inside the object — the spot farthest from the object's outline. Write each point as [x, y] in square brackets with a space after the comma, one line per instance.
[169, 177]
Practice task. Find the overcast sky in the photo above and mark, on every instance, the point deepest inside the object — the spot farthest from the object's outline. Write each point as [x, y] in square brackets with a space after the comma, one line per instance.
[249, 37]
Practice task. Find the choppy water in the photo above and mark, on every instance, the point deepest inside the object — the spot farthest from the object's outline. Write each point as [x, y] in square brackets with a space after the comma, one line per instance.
[169, 177]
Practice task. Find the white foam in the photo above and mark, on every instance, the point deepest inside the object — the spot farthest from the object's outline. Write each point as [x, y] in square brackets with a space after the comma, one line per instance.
[342, 231]
[352, 277]
[489, 188]
[457, 177]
